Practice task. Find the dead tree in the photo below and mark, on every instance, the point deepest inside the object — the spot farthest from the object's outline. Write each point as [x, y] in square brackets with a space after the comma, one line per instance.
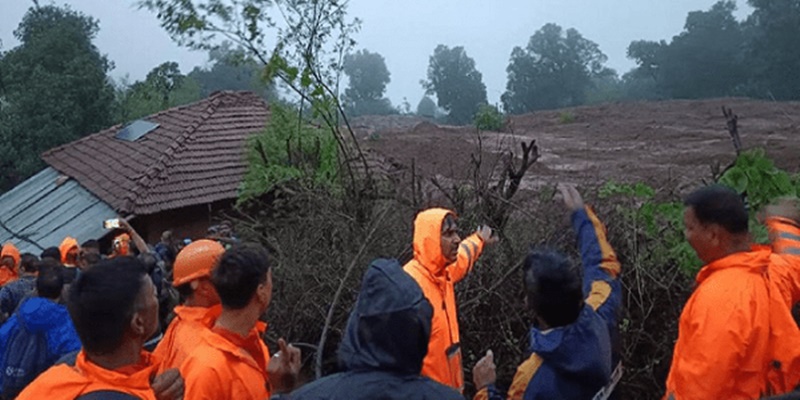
[733, 128]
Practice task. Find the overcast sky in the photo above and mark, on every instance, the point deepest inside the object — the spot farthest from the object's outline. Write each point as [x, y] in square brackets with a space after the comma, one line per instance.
[405, 32]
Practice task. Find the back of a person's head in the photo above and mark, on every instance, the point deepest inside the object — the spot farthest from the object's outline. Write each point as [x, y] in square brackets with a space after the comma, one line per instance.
[91, 244]
[102, 302]
[554, 287]
[52, 253]
[28, 263]
[390, 324]
[241, 269]
[717, 204]
[50, 281]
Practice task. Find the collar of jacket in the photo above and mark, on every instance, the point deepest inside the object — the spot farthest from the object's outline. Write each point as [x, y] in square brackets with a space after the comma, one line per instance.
[756, 260]
[224, 345]
[203, 315]
[139, 380]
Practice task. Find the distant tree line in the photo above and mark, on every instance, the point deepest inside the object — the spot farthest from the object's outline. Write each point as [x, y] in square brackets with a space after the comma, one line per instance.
[55, 88]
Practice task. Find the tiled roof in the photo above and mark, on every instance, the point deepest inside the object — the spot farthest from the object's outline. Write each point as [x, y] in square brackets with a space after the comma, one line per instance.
[195, 156]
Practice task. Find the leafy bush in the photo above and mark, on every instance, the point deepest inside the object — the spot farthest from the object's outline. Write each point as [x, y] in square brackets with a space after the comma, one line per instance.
[756, 174]
[566, 117]
[489, 118]
[289, 149]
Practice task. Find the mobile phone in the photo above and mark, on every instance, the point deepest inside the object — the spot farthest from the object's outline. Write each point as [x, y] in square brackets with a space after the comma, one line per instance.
[111, 223]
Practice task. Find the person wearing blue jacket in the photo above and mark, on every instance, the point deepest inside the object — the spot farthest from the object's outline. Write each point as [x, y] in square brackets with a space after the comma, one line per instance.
[573, 340]
[385, 341]
[36, 335]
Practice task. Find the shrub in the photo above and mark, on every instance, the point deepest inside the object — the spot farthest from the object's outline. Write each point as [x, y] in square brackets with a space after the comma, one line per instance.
[489, 118]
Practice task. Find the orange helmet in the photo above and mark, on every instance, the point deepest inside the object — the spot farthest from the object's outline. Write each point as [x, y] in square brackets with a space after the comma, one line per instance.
[196, 261]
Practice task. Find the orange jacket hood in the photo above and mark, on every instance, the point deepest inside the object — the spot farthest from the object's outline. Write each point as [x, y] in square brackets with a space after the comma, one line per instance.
[66, 245]
[428, 239]
[9, 250]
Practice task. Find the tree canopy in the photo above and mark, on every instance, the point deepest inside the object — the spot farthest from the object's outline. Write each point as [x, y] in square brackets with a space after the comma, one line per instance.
[55, 88]
[554, 70]
[458, 86]
[368, 76]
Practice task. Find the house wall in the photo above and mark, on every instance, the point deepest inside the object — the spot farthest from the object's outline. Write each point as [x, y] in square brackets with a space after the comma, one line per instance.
[187, 222]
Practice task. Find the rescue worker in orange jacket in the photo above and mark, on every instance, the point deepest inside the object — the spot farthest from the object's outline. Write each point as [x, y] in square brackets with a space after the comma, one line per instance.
[192, 278]
[441, 259]
[70, 250]
[736, 337]
[114, 310]
[9, 263]
[231, 360]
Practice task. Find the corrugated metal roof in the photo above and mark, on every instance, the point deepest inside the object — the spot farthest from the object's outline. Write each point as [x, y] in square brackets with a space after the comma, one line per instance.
[40, 213]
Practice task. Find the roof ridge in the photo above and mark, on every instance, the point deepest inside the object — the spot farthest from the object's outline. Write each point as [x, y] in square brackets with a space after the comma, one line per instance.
[144, 182]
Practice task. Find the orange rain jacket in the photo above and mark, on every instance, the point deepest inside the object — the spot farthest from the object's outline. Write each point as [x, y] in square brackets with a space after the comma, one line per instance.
[69, 382]
[737, 338]
[66, 245]
[180, 339]
[436, 278]
[219, 369]
[6, 275]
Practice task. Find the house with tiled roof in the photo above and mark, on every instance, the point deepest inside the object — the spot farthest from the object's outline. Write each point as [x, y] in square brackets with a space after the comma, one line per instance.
[172, 170]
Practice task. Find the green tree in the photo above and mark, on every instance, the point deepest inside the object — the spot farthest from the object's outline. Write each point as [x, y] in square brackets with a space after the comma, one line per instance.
[458, 86]
[426, 107]
[368, 77]
[164, 87]
[705, 60]
[55, 88]
[232, 69]
[775, 28]
[554, 70]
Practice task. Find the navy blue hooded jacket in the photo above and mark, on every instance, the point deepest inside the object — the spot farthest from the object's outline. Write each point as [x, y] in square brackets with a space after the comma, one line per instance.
[384, 344]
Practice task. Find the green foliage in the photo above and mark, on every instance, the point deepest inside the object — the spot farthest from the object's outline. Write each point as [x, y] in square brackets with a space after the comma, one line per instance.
[164, 87]
[773, 30]
[489, 118]
[55, 89]
[756, 174]
[290, 150]
[458, 86]
[231, 69]
[705, 60]
[660, 223]
[566, 117]
[426, 107]
[368, 77]
[554, 70]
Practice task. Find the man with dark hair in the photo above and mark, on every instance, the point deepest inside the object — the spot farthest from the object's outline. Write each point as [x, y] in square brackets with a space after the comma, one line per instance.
[736, 337]
[90, 254]
[37, 335]
[575, 317]
[441, 259]
[12, 293]
[384, 344]
[192, 278]
[51, 253]
[91, 246]
[231, 360]
[114, 309]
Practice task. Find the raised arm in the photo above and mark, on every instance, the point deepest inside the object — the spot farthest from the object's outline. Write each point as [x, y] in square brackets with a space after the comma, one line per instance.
[600, 263]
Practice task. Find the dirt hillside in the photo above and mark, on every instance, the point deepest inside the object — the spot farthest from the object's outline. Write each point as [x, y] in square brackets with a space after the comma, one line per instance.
[669, 144]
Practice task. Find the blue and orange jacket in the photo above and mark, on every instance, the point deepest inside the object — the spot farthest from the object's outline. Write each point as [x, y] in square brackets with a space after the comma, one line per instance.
[575, 361]
[737, 338]
[437, 278]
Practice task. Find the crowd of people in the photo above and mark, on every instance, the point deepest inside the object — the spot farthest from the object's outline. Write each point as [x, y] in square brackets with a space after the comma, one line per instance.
[77, 324]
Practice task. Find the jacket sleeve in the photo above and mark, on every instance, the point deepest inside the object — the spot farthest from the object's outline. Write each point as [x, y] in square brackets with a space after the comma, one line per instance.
[468, 252]
[785, 272]
[600, 264]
